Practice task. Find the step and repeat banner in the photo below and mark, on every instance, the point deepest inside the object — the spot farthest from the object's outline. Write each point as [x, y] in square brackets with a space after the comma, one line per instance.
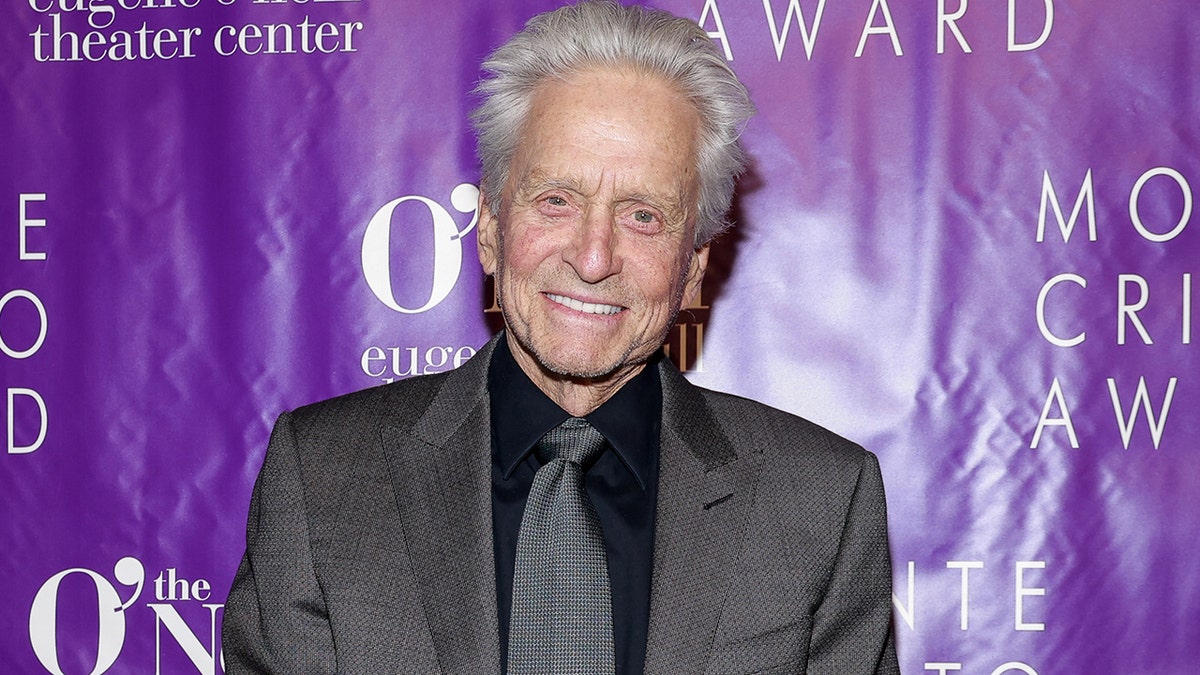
[966, 242]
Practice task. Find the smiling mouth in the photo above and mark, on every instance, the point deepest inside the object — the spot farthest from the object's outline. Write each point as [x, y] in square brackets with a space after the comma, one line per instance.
[585, 307]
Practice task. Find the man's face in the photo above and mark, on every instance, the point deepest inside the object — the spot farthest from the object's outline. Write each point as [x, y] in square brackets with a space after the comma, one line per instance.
[593, 253]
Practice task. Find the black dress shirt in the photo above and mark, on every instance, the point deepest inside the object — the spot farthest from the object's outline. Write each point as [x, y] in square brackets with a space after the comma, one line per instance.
[622, 484]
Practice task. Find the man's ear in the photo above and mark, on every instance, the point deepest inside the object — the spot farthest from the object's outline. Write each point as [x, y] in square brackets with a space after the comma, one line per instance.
[487, 236]
[695, 275]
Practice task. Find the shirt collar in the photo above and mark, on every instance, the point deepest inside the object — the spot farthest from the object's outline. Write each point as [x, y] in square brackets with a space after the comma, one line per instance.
[521, 414]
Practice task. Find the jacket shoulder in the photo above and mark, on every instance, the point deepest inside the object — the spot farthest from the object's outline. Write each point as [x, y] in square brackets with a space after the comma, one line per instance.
[402, 401]
[760, 428]
[400, 404]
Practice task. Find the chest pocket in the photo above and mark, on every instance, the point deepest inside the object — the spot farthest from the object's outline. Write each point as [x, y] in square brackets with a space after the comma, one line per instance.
[779, 650]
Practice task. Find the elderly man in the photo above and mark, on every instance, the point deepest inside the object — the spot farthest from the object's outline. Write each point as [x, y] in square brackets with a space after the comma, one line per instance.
[566, 502]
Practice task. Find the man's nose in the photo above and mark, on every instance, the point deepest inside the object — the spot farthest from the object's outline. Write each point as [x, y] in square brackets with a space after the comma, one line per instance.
[592, 253]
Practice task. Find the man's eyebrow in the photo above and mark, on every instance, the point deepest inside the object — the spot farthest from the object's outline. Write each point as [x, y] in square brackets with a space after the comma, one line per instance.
[674, 204]
[661, 202]
[557, 184]
[535, 180]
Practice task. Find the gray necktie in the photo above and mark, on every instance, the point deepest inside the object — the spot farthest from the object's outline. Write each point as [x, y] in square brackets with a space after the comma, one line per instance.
[561, 620]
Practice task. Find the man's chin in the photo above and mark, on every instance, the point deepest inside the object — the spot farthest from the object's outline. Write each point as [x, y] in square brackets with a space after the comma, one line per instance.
[571, 362]
[586, 370]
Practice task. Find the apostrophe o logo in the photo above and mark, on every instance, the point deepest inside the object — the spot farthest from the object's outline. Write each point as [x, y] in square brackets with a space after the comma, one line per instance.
[43, 615]
[447, 247]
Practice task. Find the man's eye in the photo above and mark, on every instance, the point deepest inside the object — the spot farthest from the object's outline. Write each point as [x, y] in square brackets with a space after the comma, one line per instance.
[643, 216]
[556, 201]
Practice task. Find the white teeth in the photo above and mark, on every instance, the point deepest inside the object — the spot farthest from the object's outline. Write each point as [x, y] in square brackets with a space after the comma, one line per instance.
[585, 307]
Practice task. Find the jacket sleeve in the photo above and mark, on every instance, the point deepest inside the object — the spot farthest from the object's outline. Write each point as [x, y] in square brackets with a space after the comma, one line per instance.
[276, 620]
[852, 631]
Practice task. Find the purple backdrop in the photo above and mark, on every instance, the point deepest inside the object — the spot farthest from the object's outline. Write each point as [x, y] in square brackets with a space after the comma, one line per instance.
[965, 243]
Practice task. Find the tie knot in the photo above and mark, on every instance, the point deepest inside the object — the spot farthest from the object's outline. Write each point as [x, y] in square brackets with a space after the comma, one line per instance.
[574, 441]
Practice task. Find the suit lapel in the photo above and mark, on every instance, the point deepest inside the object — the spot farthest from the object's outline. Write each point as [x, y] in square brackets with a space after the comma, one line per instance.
[703, 495]
[441, 472]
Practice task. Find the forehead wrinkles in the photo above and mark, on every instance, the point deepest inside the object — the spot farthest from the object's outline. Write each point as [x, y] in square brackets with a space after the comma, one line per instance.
[611, 133]
[610, 185]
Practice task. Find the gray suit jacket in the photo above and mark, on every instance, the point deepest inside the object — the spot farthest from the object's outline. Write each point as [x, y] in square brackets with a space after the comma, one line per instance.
[369, 541]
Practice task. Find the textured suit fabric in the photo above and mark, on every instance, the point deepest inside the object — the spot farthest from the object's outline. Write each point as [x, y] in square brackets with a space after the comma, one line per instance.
[369, 542]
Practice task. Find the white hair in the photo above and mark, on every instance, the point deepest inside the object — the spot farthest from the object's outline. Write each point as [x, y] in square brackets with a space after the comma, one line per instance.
[589, 34]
